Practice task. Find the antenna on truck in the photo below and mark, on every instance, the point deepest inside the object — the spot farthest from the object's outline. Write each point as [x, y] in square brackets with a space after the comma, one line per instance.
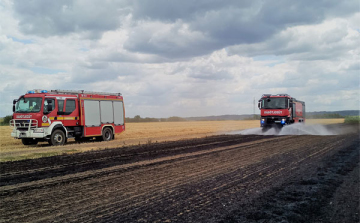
[83, 92]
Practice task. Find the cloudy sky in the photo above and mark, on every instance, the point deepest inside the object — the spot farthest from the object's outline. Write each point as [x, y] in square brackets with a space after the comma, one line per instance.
[184, 58]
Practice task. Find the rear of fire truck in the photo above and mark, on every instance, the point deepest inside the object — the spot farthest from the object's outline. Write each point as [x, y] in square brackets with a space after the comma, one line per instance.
[280, 110]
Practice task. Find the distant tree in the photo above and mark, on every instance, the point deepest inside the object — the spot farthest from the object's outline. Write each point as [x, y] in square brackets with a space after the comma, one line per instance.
[175, 119]
[324, 116]
[253, 117]
[137, 118]
[6, 120]
[147, 119]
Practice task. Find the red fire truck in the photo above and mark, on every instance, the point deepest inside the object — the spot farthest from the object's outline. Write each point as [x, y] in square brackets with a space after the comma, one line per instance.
[279, 110]
[56, 115]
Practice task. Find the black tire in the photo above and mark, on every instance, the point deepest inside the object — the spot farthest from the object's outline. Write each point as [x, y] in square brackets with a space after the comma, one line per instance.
[28, 141]
[57, 138]
[107, 134]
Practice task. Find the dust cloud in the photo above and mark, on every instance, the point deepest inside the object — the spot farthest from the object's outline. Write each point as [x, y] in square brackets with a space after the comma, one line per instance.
[295, 129]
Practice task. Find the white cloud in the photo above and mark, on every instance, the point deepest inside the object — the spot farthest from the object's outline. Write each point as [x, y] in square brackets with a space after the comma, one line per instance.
[208, 60]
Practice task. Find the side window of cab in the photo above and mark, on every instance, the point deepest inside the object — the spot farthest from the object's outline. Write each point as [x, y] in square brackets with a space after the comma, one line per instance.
[60, 105]
[49, 105]
[70, 106]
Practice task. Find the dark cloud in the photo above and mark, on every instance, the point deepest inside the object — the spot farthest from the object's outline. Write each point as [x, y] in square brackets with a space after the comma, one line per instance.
[228, 24]
[47, 18]
[170, 40]
[185, 10]
[187, 58]
[326, 41]
[177, 29]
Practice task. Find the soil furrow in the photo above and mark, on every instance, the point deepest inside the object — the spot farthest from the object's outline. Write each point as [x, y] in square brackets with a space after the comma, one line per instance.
[200, 180]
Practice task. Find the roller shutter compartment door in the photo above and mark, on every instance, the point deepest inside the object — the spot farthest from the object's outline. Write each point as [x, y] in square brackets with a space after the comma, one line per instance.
[92, 113]
[106, 111]
[118, 113]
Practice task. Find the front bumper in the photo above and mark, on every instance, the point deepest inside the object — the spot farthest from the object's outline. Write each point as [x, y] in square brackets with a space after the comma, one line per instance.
[32, 133]
[269, 121]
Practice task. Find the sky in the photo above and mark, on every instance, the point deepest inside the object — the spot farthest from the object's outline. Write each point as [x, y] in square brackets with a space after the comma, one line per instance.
[184, 58]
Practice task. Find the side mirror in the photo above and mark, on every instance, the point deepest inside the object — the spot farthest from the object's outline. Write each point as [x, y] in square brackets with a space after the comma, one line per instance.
[259, 104]
[49, 106]
[14, 102]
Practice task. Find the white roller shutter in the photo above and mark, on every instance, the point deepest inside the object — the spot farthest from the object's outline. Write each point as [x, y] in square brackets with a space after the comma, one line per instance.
[118, 113]
[92, 113]
[106, 108]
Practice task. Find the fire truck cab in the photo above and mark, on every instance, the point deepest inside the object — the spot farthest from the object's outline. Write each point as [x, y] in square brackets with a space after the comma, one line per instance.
[279, 110]
[57, 115]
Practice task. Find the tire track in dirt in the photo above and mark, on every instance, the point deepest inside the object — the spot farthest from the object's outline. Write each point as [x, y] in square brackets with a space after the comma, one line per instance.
[20, 187]
[180, 185]
[12, 174]
[217, 189]
[306, 198]
[262, 141]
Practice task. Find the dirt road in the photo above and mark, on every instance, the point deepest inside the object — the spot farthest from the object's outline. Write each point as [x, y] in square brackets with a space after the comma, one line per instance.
[226, 178]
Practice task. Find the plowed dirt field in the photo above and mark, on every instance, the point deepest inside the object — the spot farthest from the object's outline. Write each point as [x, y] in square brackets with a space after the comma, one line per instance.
[224, 178]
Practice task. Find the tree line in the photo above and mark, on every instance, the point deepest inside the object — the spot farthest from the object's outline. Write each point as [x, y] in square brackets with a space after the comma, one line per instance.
[324, 116]
[6, 120]
[137, 118]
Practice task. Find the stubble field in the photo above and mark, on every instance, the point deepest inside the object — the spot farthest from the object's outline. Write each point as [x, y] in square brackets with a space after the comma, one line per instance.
[135, 134]
[219, 178]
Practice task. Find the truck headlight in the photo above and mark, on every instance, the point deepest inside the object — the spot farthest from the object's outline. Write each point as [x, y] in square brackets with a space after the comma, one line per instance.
[283, 121]
[38, 130]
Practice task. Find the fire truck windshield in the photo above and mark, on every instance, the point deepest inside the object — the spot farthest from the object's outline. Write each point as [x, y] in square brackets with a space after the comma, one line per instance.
[28, 105]
[274, 103]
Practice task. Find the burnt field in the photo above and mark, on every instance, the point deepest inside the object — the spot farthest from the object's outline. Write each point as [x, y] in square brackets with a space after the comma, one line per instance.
[224, 178]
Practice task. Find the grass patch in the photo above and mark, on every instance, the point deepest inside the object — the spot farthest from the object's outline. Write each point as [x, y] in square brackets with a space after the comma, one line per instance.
[352, 120]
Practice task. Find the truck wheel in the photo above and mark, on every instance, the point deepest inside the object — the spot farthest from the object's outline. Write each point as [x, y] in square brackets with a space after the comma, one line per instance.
[57, 138]
[107, 134]
[29, 141]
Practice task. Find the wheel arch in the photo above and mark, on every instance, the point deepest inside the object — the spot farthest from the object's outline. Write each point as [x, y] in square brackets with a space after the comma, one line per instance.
[57, 125]
[112, 129]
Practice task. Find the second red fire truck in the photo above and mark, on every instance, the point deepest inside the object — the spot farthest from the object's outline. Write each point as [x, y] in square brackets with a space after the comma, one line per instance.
[56, 115]
[279, 110]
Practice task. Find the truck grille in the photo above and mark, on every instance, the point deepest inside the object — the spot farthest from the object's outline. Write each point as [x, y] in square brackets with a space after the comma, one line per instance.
[273, 120]
[24, 123]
